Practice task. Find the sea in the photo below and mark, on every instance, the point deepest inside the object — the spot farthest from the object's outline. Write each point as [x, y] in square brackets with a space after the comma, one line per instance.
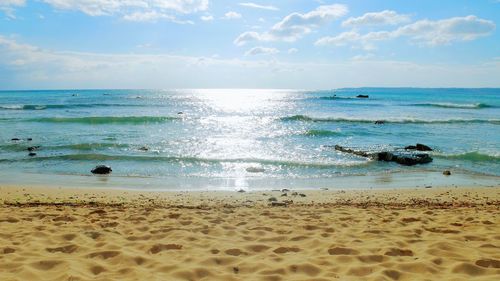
[248, 139]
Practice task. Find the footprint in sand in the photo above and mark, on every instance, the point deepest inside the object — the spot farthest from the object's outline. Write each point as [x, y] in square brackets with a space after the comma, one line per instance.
[93, 234]
[257, 248]
[371, 258]
[109, 224]
[98, 212]
[393, 274]
[64, 218]
[96, 270]
[398, 252]
[69, 236]
[8, 250]
[68, 249]
[234, 252]
[408, 220]
[488, 263]
[10, 220]
[139, 260]
[164, 247]
[104, 254]
[342, 251]
[283, 250]
[306, 268]
[299, 238]
[46, 264]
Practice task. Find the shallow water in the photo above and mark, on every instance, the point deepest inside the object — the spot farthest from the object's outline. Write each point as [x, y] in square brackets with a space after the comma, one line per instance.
[243, 137]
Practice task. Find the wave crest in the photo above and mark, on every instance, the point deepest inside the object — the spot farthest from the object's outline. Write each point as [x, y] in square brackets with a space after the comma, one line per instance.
[455, 105]
[321, 133]
[189, 159]
[61, 106]
[305, 118]
[473, 156]
[106, 120]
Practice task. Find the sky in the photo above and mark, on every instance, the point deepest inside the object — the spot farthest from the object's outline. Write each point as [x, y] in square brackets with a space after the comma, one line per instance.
[294, 44]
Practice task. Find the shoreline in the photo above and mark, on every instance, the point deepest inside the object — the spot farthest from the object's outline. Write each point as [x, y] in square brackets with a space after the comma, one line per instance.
[376, 181]
[56, 233]
[431, 196]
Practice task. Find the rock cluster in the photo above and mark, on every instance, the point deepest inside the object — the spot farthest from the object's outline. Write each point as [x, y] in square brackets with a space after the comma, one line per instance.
[407, 159]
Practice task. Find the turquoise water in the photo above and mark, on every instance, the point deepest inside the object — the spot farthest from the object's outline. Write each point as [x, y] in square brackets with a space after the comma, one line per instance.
[240, 137]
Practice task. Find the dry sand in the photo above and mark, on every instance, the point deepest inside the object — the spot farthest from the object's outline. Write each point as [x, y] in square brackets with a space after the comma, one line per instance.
[426, 234]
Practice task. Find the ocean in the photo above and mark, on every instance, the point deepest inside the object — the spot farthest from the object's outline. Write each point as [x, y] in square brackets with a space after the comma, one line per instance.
[247, 139]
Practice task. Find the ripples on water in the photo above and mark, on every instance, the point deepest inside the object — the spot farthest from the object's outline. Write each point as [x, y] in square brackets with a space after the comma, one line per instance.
[233, 133]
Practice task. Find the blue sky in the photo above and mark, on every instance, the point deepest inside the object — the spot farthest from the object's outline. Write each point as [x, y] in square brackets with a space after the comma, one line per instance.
[53, 44]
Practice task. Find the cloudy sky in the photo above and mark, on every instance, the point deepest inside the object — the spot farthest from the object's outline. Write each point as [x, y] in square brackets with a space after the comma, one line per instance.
[314, 44]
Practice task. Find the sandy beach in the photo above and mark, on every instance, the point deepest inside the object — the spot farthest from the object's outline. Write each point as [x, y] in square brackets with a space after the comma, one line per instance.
[91, 234]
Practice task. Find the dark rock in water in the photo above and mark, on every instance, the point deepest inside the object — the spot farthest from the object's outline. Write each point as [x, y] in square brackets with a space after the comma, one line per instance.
[423, 147]
[285, 190]
[32, 154]
[29, 139]
[429, 186]
[348, 150]
[447, 173]
[15, 139]
[379, 122]
[412, 159]
[180, 112]
[362, 96]
[302, 195]
[407, 159]
[272, 199]
[241, 191]
[384, 156]
[419, 147]
[102, 170]
[144, 148]
[33, 148]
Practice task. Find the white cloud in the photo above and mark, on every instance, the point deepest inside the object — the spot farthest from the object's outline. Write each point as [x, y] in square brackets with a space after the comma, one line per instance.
[261, 51]
[423, 32]
[385, 17]
[207, 18]
[258, 6]
[231, 15]
[448, 30]
[345, 38]
[292, 50]
[12, 2]
[135, 10]
[152, 16]
[7, 6]
[109, 7]
[30, 67]
[249, 36]
[295, 25]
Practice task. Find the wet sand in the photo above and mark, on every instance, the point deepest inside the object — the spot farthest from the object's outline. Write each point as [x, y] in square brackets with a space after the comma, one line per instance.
[91, 234]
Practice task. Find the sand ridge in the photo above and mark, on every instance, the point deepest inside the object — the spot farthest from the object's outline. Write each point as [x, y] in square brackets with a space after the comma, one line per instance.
[361, 235]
